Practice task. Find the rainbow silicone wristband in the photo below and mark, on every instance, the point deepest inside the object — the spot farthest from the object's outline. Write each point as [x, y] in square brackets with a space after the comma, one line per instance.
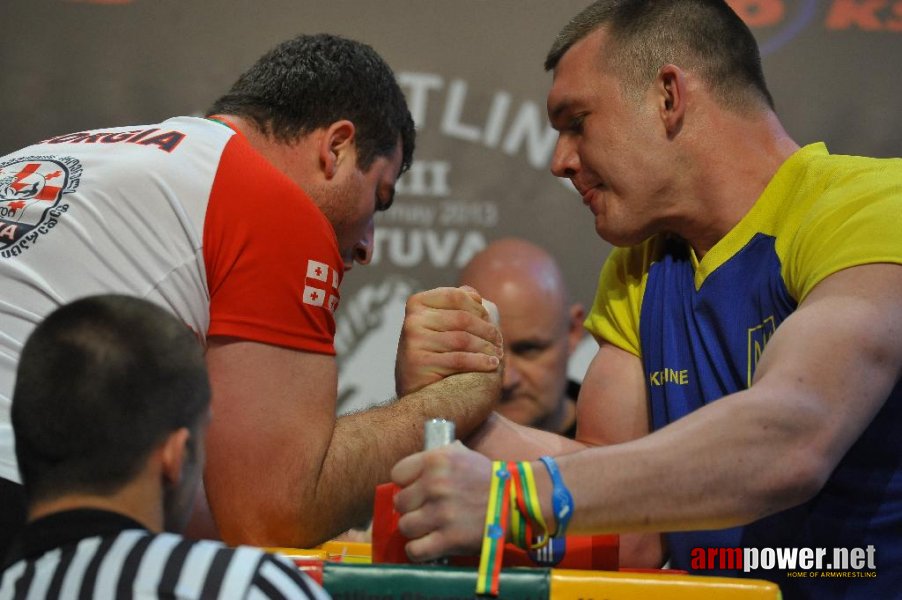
[561, 498]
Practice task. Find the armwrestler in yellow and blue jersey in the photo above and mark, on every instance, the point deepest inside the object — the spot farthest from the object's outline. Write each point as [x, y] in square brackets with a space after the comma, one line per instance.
[699, 328]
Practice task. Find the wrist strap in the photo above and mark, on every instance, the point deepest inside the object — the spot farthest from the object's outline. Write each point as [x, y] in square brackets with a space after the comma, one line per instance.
[561, 498]
[527, 523]
[496, 519]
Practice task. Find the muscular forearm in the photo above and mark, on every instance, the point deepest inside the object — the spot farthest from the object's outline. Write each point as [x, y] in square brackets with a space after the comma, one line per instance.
[281, 470]
[724, 465]
[366, 445]
[501, 439]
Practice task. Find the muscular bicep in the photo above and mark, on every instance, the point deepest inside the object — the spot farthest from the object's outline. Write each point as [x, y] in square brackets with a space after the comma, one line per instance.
[834, 361]
[613, 403]
[273, 416]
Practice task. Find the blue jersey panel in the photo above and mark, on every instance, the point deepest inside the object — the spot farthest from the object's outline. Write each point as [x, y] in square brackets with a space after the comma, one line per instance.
[700, 345]
[684, 331]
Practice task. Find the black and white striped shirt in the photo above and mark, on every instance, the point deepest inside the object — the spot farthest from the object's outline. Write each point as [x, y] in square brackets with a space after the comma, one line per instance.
[106, 556]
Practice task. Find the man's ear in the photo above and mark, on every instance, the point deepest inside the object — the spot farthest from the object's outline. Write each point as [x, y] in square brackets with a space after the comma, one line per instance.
[337, 147]
[575, 330]
[670, 86]
[173, 454]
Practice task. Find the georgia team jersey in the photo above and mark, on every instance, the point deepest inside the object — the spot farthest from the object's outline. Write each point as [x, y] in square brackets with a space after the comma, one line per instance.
[184, 213]
[700, 326]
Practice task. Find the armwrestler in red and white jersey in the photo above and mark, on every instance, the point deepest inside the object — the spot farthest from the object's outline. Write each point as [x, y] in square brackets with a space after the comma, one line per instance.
[243, 225]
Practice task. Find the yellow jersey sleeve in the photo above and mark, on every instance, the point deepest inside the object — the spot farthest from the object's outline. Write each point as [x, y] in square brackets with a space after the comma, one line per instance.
[614, 317]
[856, 220]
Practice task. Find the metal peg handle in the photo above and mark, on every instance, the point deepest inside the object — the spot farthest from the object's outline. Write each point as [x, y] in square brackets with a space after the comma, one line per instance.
[438, 433]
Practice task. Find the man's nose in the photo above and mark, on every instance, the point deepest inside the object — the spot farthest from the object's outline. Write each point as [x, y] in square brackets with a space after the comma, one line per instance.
[565, 160]
[363, 250]
[512, 375]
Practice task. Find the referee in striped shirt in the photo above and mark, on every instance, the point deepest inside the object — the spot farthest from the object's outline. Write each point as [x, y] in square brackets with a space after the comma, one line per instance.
[109, 411]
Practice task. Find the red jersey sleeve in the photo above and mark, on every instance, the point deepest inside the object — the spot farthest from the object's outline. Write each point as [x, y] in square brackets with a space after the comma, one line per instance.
[272, 259]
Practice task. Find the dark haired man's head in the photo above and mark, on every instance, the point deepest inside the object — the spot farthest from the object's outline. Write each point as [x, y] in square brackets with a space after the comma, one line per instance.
[101, 383]
[313, 81]
[705, 36]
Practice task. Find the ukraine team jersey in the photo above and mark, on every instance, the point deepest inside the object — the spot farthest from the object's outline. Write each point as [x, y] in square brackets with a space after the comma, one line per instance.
[700, 327]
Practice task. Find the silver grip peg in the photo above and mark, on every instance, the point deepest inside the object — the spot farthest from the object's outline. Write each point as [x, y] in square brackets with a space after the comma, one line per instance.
[439, 432]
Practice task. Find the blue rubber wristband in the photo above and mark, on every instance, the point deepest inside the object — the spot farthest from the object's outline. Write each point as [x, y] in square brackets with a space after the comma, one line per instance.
[561, 498]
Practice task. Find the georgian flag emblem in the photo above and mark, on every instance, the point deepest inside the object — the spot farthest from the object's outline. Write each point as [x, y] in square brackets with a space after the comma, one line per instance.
[321, 289]
[314, 296]
[317, 270]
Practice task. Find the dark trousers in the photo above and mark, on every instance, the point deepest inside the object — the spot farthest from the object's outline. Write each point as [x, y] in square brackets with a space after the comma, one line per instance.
[12, 514]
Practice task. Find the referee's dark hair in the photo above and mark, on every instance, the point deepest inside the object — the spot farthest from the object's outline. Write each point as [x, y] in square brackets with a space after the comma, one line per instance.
[312, 81]
[100, 383]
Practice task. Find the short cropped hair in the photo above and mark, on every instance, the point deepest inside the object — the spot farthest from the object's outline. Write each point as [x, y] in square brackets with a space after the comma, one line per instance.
[100, 383]
[313, 81]
[703, 35]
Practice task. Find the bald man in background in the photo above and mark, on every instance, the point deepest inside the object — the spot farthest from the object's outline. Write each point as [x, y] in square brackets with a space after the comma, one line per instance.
[541, 329]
